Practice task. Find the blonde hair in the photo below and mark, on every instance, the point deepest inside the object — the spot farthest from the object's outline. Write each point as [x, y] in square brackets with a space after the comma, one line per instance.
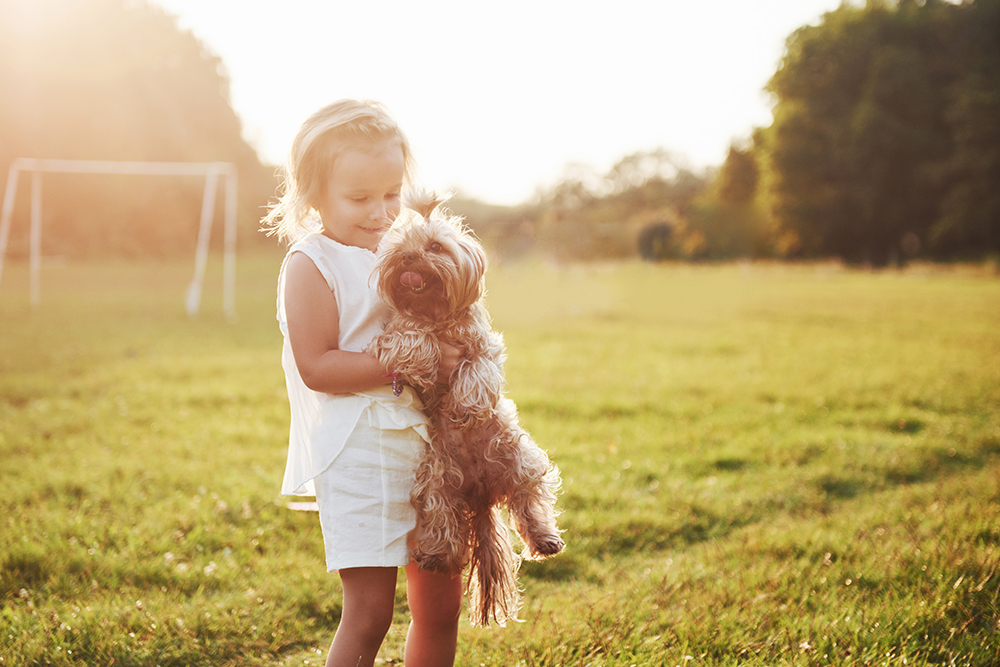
[324, 137]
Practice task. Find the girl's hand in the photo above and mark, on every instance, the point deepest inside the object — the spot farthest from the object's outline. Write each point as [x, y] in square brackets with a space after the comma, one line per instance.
[451, 357]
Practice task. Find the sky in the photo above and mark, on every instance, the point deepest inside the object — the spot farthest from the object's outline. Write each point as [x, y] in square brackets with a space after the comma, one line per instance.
[498, 98]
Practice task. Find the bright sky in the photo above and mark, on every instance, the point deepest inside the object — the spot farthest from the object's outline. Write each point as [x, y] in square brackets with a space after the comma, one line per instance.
[498, 97]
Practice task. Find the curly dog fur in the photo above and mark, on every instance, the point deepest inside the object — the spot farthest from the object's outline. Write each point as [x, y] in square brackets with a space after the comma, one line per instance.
[431, 272]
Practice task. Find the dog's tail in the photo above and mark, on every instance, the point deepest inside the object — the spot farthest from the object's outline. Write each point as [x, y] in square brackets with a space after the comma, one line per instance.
[492, 583]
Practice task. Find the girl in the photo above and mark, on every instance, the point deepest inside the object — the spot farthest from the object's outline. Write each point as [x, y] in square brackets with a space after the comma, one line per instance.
[353, 443]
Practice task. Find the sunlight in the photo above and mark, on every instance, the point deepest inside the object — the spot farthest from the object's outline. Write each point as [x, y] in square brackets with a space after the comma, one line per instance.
[497, 102]
[29, 18]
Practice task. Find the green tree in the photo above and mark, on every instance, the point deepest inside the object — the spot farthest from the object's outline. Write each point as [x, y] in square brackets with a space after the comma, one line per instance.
[738, 176]
[859, 129]
[728, 216]
[970, 212]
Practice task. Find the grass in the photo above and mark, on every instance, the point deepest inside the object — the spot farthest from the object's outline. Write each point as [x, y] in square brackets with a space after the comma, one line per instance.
[763, 465]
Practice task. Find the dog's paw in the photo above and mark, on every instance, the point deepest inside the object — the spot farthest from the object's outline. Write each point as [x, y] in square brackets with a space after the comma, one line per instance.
[544, 546]
[438, 563]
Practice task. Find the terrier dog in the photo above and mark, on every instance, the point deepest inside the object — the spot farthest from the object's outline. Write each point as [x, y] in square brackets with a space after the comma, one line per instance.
[431, 273]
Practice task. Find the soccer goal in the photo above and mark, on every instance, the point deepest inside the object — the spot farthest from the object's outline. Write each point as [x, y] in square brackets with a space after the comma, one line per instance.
[212, 171]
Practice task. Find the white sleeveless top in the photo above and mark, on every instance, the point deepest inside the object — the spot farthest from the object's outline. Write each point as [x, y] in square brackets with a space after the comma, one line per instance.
[321, 423]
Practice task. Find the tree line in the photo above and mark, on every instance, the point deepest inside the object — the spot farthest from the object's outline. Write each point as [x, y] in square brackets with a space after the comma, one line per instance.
[884, 145]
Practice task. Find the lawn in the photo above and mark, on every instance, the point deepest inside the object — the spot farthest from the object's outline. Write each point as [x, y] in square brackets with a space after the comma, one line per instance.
[763, 464]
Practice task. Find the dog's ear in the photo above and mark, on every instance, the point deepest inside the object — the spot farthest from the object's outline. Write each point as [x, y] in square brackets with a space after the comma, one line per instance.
[424, 202]
[472, 265]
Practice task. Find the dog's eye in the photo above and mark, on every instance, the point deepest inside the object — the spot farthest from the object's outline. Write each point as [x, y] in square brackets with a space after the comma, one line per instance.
[435, 247]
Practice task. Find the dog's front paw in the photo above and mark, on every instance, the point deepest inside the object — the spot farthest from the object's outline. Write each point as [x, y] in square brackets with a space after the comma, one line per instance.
[476, 387]
[411, 354]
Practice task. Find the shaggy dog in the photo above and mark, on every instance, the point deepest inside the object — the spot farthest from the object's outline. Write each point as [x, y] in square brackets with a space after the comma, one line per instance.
[431, 274]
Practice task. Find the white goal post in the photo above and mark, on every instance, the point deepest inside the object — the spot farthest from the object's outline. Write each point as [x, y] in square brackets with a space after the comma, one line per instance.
[212, 171]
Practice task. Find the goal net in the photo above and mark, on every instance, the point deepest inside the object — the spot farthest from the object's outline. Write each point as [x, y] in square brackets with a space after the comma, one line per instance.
[213, 172]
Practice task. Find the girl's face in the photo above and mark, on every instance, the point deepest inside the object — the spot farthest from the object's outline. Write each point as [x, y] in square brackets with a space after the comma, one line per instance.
[362, 194]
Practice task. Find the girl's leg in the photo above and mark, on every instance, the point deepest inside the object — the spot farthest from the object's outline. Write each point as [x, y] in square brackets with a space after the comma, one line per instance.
[435, 604]
[369, 594]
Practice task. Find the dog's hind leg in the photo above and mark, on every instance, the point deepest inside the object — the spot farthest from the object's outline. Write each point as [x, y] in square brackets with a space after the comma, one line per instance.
[442, 535]
[532, 502]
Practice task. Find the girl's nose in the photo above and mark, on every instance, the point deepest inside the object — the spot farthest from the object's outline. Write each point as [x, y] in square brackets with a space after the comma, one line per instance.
[379, 211]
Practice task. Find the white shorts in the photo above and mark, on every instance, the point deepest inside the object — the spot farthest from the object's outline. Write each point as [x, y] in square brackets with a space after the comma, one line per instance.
[364, 497]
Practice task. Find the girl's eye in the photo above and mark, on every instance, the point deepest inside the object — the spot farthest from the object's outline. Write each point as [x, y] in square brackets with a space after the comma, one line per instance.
[392, 195]
[435, 247]
[359, 200]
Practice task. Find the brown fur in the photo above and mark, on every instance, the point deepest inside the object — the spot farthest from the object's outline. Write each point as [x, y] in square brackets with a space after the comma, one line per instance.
[479, 457]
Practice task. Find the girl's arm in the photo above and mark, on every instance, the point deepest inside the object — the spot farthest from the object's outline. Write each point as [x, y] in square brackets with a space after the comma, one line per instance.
[314, 334]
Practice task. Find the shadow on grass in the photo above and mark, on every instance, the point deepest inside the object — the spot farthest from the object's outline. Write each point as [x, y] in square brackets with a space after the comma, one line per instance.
[695, 524]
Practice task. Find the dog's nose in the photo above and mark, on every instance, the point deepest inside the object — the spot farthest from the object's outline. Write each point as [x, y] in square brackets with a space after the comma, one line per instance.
[408, 257]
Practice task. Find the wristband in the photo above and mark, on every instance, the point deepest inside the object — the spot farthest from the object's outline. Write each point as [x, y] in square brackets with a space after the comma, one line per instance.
[397, 384]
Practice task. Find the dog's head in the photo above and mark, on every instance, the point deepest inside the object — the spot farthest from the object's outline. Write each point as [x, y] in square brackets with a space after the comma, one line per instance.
[430, 266]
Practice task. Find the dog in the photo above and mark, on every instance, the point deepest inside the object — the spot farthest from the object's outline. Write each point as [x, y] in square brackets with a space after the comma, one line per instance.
[431, 273]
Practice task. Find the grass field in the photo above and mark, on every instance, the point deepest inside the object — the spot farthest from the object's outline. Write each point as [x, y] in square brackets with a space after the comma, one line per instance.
[763, 465]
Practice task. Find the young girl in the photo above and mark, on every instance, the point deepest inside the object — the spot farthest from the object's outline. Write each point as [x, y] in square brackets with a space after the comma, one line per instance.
[353, 443]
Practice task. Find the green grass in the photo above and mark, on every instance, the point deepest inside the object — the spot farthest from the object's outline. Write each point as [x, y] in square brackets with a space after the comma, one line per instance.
[763, 465]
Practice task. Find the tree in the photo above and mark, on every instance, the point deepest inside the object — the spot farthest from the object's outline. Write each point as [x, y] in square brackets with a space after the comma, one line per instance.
[728, 215]
[738, 176]
[118, 80]
[859, 128]
[970, 212]
[588, 215]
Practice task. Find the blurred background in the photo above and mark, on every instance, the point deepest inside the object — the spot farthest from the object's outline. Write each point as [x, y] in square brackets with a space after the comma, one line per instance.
[865, 132]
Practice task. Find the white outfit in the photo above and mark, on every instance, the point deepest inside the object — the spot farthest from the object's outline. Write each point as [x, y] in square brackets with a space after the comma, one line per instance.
[356, 453]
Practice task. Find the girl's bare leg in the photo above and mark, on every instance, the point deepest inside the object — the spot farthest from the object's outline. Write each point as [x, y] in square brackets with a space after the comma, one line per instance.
[369, 594]
[435, 604]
